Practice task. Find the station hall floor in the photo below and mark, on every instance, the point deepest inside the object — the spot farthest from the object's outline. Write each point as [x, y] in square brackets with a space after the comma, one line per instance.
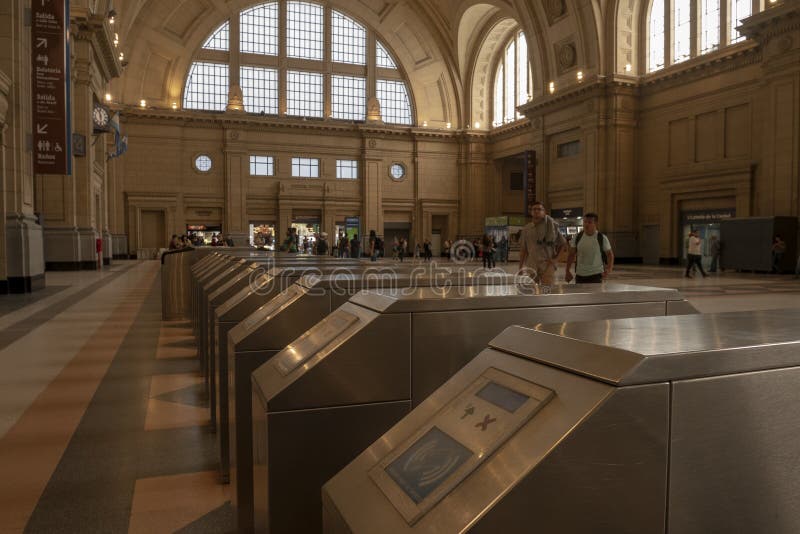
[103, 425]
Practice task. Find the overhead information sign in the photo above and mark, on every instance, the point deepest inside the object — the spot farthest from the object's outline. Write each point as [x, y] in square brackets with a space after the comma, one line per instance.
[49, 84]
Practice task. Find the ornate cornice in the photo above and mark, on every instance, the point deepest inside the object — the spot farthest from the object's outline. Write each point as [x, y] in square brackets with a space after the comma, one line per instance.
[602, 86]
[94, 29]
[777, 19]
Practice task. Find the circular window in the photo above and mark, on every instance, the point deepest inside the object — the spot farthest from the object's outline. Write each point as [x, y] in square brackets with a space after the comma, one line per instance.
[397, 171]
[202, 163]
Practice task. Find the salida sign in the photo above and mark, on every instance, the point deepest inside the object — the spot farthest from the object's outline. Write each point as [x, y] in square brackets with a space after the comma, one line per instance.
[49, 60]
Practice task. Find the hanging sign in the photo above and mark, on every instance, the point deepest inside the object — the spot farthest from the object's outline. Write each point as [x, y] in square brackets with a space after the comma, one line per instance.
[49, 83]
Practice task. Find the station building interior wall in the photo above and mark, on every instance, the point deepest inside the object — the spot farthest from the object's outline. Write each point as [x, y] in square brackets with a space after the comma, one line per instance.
[716, 131]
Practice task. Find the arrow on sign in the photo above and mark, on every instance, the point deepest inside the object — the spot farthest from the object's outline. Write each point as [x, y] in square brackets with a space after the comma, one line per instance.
[41, 42]
[41, 128]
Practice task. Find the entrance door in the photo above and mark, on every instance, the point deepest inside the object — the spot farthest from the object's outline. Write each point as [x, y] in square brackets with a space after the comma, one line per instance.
[436, 244]
[650, 244]
[153, 234]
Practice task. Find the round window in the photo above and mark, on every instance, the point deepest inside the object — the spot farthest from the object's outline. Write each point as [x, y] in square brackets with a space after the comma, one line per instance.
[397, 171]
[202, 163]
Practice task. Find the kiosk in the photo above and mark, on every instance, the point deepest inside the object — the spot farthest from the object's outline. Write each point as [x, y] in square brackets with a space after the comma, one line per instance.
[681, 425]
[346, 381]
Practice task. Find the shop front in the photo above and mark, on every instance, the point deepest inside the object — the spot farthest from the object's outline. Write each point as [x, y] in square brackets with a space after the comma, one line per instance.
[262, 235]
[350, 227]
[707, 224]
[203, 234]
[570, 221]
[307, 228]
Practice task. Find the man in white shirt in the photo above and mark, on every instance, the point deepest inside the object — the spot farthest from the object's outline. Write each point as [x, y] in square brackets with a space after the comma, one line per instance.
[595, 260]
[694, 254]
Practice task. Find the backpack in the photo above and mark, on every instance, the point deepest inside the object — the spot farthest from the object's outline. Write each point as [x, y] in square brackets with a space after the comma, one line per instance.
[599, 243]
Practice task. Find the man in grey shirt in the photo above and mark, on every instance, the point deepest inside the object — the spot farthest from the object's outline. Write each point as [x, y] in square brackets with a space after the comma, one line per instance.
[540, 243]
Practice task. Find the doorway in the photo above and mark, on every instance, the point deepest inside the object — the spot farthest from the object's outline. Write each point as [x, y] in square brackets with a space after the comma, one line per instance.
[153, 233]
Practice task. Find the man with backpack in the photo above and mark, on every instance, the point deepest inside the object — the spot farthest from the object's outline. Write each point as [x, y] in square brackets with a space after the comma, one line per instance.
[591, 253]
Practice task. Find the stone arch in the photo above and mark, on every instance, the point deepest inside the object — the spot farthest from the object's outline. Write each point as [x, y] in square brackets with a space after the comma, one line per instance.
[165, 37]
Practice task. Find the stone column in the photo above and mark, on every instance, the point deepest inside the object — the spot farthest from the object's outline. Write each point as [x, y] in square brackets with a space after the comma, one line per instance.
[472, 184]
[21, 256]
[371, 194]
[236, 177]
[777, 30]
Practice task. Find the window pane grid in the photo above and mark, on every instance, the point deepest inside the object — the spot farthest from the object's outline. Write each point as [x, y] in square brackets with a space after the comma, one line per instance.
[346, 169]
[498, 96]
[259, 30]
[709, 38]
[207, 87]
[262, 166]
[260, 89]
[509, 88]
[382, 57]
[740, 9]
[348, 40]
[304, 94]
[348, 97]
[219, 39]
[304, 28]
[305, 168]
[656, 36]
[395, 105]
[522, 70]
[681, 33]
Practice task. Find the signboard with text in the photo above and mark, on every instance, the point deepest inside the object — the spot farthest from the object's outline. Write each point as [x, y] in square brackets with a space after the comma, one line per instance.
[530, 180]
[49, 21]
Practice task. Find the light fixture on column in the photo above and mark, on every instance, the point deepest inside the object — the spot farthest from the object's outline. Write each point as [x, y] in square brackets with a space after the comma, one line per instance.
[580, 75]
[552, 87]
[116, 39]
[143, 103]
[121, 56]
[477, 125]
[449, 125]
[108, 97]
[628, 67]
[424, 124]
[112, 15]
[174, 106]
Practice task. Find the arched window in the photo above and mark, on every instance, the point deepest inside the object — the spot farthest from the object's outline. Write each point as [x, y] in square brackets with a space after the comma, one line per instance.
[672, 29]
[293, 74]
[511, 81]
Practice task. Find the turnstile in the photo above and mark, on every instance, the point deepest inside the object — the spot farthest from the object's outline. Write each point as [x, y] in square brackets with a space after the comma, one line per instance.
[257, 293]
[683, 425]
[342, 385]
[277, 323]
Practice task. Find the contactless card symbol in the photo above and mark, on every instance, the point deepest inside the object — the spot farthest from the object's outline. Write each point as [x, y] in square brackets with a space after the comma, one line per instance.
[483, 425]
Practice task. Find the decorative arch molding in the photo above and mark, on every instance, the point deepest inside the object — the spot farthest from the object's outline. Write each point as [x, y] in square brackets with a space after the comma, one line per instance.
[624, 30]
[163, 48]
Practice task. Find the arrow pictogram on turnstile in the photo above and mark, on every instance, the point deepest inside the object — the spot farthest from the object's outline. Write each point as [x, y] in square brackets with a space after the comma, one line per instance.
[485, 423]
[468, 411]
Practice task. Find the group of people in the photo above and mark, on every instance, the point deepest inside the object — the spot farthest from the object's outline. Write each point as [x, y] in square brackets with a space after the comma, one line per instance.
[541, 242]
[184, 241]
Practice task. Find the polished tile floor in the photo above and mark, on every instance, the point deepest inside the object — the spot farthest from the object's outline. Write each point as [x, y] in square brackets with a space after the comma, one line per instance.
[103, 420]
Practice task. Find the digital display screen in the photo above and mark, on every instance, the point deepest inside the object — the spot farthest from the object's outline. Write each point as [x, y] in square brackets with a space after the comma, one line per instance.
[502, 397]
[426, 464]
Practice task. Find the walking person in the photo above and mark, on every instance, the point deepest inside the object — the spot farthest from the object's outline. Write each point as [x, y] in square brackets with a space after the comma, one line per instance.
[591, 253]
[715, 249]
[540, 244]
[355, 247]
[487, 249]
[373, 246]
[426, 247]
[778, 250]
[694, 254]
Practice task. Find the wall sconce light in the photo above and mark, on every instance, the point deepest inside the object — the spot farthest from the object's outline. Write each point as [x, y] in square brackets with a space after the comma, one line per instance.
[477, 125]
[449, 125]
[116, 39]
[580, 75]
[108, 97]
[552, 87]
[628, 67]
[121, 56]
[112, 16]
[143, 103]
[424, 124]
[174, 106]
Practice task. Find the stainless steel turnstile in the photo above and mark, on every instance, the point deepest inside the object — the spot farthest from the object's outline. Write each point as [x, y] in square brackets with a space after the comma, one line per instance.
[277, 323]
[256, 294]
[342, 384]
[684, 425]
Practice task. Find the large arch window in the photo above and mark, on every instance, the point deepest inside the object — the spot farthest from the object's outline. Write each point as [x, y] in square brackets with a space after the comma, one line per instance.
[511, 81]
[674, 34]
[294, 74]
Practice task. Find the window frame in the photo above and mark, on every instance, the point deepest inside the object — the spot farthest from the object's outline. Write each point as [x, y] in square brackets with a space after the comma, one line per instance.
[270, 165]
[509, 78]
[305, 161]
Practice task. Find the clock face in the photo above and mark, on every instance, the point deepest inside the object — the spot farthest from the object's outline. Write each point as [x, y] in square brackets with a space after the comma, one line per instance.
[397, 171]
[100, 117]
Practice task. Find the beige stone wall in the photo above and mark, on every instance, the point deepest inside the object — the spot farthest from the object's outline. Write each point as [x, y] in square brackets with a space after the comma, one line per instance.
[158, 172]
